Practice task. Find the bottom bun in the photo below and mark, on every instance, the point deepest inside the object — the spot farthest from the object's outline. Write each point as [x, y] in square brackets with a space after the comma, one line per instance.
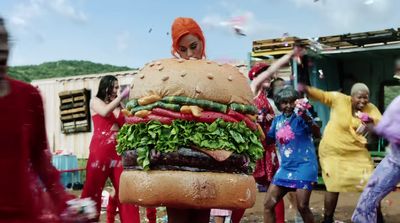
[185, 189]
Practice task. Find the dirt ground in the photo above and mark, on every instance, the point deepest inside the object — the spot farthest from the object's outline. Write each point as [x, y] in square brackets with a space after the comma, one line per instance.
[345, 208]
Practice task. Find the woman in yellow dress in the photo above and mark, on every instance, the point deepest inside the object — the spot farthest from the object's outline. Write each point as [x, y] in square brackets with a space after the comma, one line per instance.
[345, 161]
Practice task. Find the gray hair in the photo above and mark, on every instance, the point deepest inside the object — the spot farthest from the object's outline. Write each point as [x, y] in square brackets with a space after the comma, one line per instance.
[286, 93]
[359, 87]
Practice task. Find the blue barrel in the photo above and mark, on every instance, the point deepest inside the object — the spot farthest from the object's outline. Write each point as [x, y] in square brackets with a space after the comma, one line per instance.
[67, 162]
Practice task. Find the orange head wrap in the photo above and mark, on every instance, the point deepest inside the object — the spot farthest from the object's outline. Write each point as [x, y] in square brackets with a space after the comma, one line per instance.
[183, 26]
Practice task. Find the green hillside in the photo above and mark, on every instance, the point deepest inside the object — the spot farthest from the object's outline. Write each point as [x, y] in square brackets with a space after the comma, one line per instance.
[61, 68]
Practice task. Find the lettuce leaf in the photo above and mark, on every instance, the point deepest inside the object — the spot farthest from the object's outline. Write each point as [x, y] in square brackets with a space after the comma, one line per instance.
[143, 137]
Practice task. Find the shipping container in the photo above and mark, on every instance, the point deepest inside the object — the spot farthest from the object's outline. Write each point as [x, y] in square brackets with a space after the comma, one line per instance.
[54, 90]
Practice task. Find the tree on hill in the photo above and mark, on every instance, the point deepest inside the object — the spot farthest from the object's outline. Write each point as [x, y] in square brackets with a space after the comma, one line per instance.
[62, 68]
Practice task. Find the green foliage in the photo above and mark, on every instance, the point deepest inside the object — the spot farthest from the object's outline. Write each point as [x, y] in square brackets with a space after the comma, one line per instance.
[391, 92]
[143, 137]
[62, 68]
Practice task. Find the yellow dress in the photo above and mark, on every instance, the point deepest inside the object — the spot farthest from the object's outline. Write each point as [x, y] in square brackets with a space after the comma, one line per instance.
[345, 161]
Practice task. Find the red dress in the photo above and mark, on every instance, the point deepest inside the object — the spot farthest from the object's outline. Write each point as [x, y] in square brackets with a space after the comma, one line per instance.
[25, 160]
[269, 164]
[104, 163]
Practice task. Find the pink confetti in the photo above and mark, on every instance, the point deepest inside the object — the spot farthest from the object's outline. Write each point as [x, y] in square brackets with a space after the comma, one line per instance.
[302, 104]
[285, 134]
[284, 35]
[363, 116]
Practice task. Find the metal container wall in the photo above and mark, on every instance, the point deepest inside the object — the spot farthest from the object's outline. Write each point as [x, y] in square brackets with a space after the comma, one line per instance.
[76, 143]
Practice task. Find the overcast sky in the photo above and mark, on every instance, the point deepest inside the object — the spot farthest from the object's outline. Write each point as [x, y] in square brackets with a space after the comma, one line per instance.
[131, 32]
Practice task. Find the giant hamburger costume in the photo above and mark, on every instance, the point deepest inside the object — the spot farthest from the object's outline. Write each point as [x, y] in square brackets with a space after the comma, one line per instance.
[190, 140]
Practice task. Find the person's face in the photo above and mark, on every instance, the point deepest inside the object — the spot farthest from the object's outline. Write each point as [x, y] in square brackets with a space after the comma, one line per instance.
[3, 52]
[114, 91]
[397, 69]
[359, 100]
[277, 85]
[190, 46]
[287, 107]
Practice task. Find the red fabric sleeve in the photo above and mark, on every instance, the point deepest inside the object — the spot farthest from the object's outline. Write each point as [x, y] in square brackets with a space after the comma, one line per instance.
[41, 156]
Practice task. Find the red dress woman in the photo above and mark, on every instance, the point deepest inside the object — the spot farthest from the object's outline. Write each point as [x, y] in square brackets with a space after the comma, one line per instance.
[269, 164]
[104, 161]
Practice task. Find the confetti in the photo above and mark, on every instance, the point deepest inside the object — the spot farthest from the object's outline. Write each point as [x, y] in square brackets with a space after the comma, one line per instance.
[239, 31]
[285, 134]
[284, 36]
[321, 74]
[302, 104]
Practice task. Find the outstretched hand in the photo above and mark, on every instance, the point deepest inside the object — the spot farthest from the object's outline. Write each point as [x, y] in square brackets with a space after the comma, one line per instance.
[301, 87]
[298, 52]
[79, 210]
[125, 92]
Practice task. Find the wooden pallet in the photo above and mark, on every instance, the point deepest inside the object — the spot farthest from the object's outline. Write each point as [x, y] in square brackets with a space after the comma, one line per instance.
[283, 45]
[74, 111]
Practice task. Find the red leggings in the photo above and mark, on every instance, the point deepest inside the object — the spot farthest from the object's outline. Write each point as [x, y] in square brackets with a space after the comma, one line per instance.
[279, 213]
[99, 168]
[151, 213]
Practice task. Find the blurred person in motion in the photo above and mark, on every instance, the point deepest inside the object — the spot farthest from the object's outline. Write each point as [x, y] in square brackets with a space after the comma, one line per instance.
[386, 176]
[30, 187]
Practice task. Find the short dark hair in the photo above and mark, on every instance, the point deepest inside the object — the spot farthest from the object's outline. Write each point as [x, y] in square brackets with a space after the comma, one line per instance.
[106, 87]
[3, 29]
[287, 93]
[4, 40]
[272, 87]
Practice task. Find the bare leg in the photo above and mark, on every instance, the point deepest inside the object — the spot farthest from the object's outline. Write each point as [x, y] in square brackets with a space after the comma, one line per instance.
[291, 196]
[237, 214]
[379, 215]
[303, 201]
[331, 199]
[200, 216]
[279, 211]
[219, 219]
[274, 194]
[188, 215]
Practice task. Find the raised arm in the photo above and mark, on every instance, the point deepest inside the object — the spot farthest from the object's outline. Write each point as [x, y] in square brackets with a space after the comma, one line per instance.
[256, 84]
[325, 97]
[100, 107]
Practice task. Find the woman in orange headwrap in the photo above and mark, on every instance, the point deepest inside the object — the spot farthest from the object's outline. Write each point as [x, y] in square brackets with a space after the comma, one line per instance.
[187, 42]
[187, 39]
